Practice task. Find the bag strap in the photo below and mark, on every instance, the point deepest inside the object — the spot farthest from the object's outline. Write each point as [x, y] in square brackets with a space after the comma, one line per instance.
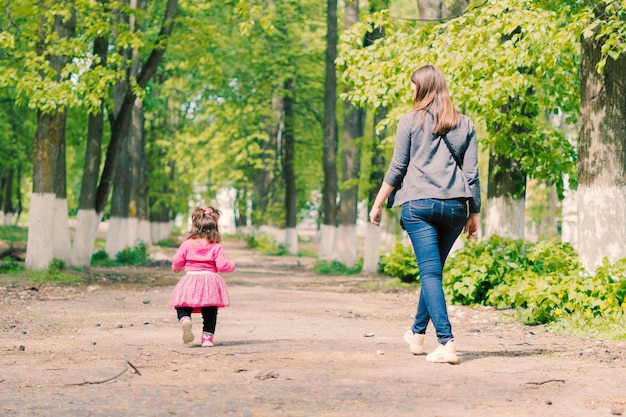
[456, 158]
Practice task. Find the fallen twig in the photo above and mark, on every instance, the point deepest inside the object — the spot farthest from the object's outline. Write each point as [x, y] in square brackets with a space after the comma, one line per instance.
[102, 381]
[545, 382]
[134, 367]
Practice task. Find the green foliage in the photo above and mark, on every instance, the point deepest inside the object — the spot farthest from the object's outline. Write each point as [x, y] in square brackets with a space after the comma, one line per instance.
[129, 256]
[266, 245]
[168, 243]
[545, 281]
[54, 274]
[13, 234]
[101, 258]
[400, 263]
[307, 253]
[132, 256]
[499, 68]
[9, 265]
[337, 268]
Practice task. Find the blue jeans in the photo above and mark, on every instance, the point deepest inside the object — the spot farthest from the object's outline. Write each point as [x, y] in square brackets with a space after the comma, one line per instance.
[433, 226]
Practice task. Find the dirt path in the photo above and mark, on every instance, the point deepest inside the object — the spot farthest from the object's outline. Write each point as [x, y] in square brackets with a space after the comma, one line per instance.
[292, 344]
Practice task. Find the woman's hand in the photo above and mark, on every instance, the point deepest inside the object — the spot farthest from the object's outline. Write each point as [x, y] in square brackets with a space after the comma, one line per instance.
[375, 214]
[472, 226]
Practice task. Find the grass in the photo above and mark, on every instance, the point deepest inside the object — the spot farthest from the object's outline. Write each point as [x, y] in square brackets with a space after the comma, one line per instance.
[13, 234]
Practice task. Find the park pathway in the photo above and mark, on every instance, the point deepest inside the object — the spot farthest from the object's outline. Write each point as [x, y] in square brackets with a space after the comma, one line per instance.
[293, 343]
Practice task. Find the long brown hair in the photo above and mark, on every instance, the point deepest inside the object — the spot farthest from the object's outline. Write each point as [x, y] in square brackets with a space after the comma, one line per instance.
[204, 224]
[431, 94]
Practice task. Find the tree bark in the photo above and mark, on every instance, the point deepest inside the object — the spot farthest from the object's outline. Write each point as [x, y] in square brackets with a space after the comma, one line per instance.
[505, 207]
[139, 194]
[601, 195]
[46, 231]
[329, 192]
[120, 123]
[289, 172]
[345, 245]
[6, 197]
[88, 218]
[371, 255]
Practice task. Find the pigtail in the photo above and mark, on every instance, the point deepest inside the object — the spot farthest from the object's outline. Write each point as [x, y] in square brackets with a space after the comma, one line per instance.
[204, 224]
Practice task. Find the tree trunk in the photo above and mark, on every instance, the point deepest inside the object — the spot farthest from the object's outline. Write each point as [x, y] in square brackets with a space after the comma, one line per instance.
[6, 198]
[139, 195]
[329, 192]
[48, 209]
[440, 9]
[601, 195]
[289, 173]
[62, 243]
[371, 255]
[505, 208]
[121, 232]
[120, 123]
[346, 244]
[88, 218]
[47, 145]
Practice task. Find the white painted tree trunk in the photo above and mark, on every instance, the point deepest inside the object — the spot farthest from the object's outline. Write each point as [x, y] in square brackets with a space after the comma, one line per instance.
[143, 232]
[345, 245]
[601, 224]
[117, 236]
[7, 218]
[85, 237]
[371, 255]
[40, 248]
[291, 240]
[62, 242]
[569, 218]
[160, 230]
[133, 226]
[327, 237]
[505, 217]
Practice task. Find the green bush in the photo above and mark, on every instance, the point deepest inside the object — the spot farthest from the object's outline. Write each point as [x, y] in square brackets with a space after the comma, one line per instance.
[400, 263]
[129, 256]
[132, 256]
[544, 281]
[337, 268]
[8, 265]
[266, 245]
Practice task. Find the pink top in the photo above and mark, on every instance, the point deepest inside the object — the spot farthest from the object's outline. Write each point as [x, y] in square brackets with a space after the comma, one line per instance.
[200, 255]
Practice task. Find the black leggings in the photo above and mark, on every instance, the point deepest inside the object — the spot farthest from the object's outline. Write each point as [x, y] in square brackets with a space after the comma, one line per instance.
[209, 317]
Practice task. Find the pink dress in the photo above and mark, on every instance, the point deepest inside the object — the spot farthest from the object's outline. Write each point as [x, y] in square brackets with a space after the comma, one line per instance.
[202, 285]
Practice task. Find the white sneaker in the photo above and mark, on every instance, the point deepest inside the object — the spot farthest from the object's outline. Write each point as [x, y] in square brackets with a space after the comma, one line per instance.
[185, 324]
[415, 341]
[444, 353]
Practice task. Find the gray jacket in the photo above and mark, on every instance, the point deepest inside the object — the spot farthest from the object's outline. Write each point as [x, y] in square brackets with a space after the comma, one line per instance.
[424, 166]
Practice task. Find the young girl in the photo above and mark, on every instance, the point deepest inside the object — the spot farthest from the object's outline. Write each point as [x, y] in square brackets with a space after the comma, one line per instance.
[201, 289]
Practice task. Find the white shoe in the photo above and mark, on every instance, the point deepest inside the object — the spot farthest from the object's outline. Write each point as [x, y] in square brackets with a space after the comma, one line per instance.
[415, 341]
[444, 353]
[185, 324]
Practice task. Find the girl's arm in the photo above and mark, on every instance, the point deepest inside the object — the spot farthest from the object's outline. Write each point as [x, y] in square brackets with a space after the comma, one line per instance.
[221, 261]
[178, 262]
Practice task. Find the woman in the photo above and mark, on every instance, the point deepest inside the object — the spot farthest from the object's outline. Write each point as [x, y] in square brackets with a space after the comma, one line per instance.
[434, 172]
